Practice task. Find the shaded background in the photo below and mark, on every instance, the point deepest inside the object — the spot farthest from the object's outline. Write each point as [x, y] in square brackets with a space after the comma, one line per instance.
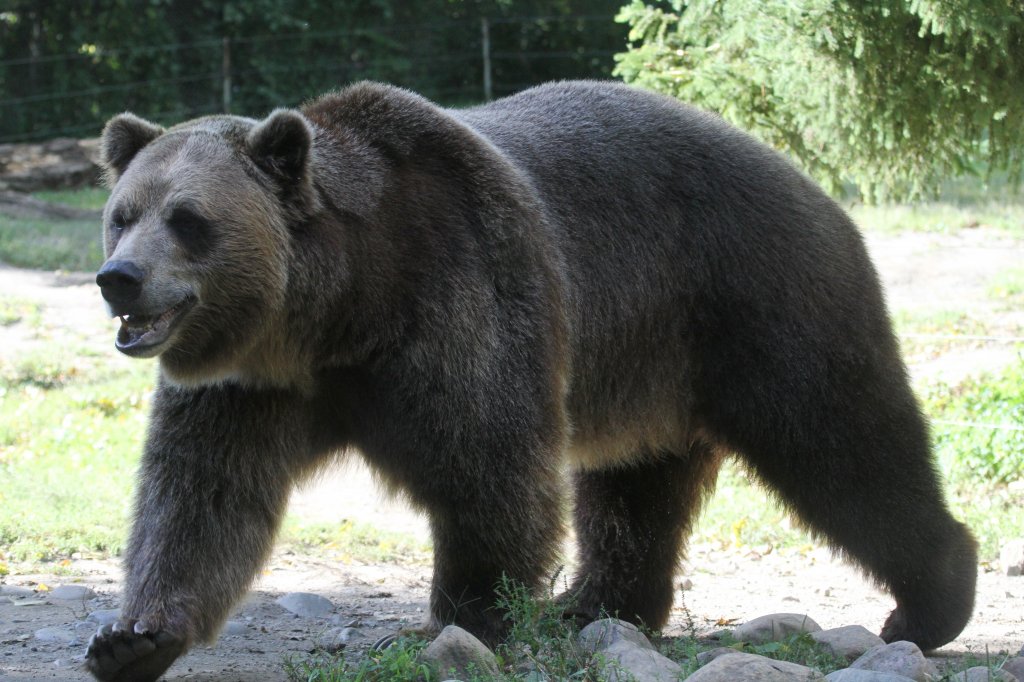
[67, 66]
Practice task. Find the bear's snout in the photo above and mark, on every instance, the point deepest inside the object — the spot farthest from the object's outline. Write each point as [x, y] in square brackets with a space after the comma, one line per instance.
[120, 281]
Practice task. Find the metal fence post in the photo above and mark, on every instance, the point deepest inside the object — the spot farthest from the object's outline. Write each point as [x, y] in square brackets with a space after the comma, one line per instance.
[225, 75]
[485, 46]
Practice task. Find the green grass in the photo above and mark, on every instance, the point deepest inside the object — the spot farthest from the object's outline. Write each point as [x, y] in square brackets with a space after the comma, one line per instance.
[978, 429]
[940, 217]
[928, 334]
[14, 310]
[69, 439]
[980, 426]
[74, 245]
[1008, 287]
[92, 198]
[742, 514]
[353, 542]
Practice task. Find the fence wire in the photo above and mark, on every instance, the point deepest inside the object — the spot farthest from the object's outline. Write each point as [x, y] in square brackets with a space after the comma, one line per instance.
[455, 62]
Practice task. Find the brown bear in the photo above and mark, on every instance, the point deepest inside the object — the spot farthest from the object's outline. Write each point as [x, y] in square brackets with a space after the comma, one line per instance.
[583, 273]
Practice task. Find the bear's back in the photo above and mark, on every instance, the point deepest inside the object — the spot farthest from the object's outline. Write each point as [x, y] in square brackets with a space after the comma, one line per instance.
[639, 186]
[677, 230]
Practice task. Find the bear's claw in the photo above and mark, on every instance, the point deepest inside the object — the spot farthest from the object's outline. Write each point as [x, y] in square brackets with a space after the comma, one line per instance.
[128, 651]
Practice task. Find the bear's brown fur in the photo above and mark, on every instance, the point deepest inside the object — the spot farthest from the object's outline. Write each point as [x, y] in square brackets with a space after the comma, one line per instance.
[468, 298]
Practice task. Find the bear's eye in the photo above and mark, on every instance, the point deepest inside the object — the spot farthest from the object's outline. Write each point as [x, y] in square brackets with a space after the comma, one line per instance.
[118, 222]
[192, 230]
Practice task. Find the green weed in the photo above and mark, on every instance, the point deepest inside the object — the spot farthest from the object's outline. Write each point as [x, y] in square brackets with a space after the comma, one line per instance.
[396, 663]
[541, 639]
[979, 426]
[799, 648]
[949, 669]
[978, 430]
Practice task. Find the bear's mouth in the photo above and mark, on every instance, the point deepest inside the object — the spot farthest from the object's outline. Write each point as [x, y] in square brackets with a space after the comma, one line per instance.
[142, 335]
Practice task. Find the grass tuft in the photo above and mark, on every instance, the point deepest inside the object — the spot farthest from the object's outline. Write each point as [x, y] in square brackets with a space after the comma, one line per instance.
[397, 663]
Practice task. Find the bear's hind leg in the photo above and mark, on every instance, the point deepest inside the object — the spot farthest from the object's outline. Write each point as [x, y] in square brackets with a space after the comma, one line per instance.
[859, 473]
[631, 525]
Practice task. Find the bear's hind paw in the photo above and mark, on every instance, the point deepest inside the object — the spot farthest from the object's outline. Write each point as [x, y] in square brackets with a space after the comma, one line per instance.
[128, 651]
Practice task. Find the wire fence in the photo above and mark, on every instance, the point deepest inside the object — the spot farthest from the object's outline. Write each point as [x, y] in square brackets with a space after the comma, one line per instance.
[453, 62]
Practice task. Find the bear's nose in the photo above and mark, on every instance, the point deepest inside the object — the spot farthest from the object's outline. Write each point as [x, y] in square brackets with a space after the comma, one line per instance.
[120, 281]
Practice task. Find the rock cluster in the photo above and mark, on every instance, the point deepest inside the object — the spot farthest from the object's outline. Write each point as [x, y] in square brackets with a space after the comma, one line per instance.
[621, 652]
[63, 163]
[617, 651]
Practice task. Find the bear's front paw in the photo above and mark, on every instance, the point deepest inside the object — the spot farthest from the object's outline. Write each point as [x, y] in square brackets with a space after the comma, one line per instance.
[129, 651]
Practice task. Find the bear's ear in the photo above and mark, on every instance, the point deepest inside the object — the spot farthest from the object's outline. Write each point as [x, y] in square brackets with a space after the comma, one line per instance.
[123, 137]
[281, 144]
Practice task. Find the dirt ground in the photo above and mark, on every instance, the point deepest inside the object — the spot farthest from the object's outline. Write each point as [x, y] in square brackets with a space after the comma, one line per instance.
[721, 585]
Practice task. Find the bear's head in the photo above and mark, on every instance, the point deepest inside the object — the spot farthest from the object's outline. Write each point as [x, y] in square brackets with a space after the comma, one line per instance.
[196, 236]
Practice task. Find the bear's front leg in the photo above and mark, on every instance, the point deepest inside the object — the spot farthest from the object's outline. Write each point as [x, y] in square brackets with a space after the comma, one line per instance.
[214, 482]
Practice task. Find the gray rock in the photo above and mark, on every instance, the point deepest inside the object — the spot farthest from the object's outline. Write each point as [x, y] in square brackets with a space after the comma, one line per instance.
[104, 616]
[1011, 557]
[16, 591]
[71, 593]
[456, 652]
[626, 660]
[750, 668]
[335, 639]
[56, 164]
[855, 675]
[72, 663]
[849, 641]
[601, 634]
[774, 627]
[705, 657]
[900, 658]
[306, 604]
[233, 628]
[84, 629]
[57, 635]
[1015, 666]
[981, 673]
